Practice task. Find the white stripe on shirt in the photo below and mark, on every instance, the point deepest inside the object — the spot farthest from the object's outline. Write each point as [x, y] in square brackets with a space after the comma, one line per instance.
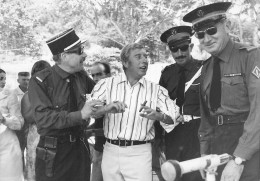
[130, 125]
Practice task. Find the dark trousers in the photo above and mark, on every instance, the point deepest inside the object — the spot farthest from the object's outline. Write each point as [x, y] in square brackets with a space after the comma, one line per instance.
[71, 163]
[182, 144]
[224, 140]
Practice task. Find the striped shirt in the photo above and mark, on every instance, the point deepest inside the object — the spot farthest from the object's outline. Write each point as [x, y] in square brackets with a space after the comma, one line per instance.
[129, 125]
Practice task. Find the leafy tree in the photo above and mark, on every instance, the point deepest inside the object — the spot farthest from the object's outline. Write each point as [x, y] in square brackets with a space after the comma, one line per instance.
[17, 29]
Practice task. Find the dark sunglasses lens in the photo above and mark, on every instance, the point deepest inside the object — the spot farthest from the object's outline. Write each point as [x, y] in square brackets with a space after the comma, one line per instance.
[184, 48]
[211, 31]
[200, 34]
[173, 49]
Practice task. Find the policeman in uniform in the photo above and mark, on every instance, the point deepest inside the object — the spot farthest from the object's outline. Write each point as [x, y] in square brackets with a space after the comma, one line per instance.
[229, 94]
[57, 96]
[182, 143]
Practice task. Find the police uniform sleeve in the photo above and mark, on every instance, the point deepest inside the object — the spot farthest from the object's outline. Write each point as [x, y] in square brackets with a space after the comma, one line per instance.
[46, 116]
[249, 141]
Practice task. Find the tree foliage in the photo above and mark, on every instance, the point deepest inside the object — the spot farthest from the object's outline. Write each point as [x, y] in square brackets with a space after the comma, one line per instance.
[26, 25]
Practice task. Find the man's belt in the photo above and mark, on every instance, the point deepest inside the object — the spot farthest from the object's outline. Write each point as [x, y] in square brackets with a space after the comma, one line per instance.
[229, 119]
[126, 142]
[51, 141]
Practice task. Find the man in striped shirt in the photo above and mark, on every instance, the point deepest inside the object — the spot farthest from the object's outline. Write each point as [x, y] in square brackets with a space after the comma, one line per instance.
[132, 106]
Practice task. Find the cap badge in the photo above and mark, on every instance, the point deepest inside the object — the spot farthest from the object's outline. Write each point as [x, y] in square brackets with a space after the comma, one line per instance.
[200, 13]
[174, 32]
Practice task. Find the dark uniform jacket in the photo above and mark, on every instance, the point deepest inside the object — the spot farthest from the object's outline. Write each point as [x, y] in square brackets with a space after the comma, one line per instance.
[169, 80]
[240, 94]
[49, 97]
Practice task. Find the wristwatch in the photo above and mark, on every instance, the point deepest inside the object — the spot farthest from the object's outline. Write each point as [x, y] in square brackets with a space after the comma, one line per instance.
[238, 160]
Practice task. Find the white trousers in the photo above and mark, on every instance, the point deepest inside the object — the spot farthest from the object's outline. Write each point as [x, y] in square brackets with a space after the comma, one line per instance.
[131, 163]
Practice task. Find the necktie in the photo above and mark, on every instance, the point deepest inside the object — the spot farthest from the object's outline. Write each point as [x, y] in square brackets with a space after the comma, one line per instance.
[215, 90]
[180, 89]
[72, 99]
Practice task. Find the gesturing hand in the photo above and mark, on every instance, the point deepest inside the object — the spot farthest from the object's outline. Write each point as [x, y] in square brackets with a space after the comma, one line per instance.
[89, 108]
[149, 113]
[232, 171]
[115, 107]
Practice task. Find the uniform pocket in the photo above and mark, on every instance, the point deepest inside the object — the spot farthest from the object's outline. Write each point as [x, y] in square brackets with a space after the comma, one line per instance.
[234, 91]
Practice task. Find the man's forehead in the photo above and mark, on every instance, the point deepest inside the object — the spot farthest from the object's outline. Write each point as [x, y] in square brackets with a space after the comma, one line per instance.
[97, 68]
[138, 51]
[24, 77]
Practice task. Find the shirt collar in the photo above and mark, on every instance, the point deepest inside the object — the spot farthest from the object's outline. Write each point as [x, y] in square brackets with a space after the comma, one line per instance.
[61, 72]
[19, 90]
[124, 79]
[226, 52]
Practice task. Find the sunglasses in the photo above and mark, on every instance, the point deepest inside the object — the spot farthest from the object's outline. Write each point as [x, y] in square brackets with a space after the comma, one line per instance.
[210, 31]
[79, 50]
[183, 48]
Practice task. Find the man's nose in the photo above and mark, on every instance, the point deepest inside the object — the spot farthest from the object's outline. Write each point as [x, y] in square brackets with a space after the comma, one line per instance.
[206, 37]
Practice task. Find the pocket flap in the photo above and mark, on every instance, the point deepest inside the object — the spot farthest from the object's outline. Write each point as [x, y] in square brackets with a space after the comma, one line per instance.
[233, 80]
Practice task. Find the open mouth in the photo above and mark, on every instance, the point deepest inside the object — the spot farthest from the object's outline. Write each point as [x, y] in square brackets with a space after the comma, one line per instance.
[143, 68]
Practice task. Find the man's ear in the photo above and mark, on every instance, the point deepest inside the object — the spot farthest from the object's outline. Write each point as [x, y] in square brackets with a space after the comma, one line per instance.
[191, 46]
[227, 25]
[125, 64]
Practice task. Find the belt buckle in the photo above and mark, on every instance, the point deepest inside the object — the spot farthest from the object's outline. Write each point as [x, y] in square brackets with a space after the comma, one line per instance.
[72, 139]
[122, 145]
[220, 120]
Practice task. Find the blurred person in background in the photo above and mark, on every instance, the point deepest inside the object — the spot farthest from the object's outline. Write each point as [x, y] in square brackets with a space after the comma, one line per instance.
[32, 135]
[11, 167]
[23, 81]
[99, 70]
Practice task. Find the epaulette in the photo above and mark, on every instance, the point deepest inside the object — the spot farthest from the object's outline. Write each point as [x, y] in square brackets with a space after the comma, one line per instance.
[42, 75]
[167, 67]
[247, 47]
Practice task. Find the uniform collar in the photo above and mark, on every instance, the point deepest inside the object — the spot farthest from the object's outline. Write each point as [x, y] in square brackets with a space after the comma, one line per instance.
[225, 54]
[61, 72]
[19, 90]
[124, 79]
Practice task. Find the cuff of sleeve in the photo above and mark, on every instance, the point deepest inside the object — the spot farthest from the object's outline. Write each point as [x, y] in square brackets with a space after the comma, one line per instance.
[244, 152]
[76, 118]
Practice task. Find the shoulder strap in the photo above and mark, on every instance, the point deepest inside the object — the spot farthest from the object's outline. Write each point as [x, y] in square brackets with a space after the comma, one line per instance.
[188, 84]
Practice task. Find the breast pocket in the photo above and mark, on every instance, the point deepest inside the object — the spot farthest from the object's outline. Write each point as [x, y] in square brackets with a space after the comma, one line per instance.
[234, 91]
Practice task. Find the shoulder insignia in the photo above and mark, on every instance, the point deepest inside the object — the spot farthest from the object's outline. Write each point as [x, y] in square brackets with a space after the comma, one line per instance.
[38, 78]
[42, 75]
[247, 47]
[256, 72]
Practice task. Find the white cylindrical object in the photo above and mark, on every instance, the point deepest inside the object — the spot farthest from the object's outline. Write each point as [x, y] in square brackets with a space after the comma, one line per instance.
[172, 170]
